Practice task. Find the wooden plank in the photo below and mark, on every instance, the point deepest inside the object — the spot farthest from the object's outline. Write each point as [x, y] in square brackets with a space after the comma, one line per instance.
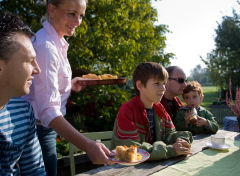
[98, 135]
[104, 136]
[151, 167]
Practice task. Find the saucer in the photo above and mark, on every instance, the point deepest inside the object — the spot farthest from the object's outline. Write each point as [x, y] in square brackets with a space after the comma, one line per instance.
[218, 147]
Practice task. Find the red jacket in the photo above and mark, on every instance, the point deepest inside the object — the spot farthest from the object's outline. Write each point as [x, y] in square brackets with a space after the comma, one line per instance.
[132, 127]
[132, 116]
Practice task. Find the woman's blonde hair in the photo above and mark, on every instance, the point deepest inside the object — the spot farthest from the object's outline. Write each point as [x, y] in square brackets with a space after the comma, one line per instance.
[55, 3]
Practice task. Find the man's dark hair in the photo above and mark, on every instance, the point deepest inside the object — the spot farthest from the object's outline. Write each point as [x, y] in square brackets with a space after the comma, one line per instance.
[10, 25]
[148, 70]
[54, 2]
[170, 69]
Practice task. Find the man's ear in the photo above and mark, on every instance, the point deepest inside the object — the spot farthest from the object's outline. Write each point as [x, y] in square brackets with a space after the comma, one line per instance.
[3, 64]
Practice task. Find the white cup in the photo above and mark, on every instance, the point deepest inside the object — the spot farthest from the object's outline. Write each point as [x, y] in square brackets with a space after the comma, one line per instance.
[217, 140]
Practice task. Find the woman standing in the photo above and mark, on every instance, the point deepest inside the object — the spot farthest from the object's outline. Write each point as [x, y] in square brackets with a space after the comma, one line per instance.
[52, 87]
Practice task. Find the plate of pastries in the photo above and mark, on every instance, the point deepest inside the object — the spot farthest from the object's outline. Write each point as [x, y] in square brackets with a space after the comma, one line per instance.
[129, 155]
[92, 79]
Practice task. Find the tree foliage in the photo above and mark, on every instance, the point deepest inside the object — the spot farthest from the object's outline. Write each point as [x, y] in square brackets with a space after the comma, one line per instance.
[30, 11]
[224, 61]
[201, 75]
[114, 37]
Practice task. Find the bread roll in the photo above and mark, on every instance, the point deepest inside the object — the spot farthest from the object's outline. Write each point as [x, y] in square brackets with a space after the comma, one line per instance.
[127, 154]
[109, 76]
[91, 76]
[120, 151]
[131, 154]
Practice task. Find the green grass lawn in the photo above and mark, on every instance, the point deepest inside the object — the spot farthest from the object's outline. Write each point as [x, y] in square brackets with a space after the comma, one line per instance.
[211, 94]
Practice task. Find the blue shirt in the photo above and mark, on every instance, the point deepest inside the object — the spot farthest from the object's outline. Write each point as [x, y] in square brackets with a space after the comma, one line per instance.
[20, 151]
[150, 116]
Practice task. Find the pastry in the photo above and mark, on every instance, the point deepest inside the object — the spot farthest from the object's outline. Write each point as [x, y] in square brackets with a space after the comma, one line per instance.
[91, 76]
[127, 154]
[109, 76]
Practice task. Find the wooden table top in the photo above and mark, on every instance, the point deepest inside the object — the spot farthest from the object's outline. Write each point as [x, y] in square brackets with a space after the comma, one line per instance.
[148, 168]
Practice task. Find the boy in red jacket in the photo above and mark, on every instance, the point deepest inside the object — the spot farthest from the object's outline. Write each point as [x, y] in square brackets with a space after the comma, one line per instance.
[144, 121]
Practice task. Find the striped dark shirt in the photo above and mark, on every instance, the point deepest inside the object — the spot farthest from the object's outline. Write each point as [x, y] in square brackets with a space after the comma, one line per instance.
[20, 152]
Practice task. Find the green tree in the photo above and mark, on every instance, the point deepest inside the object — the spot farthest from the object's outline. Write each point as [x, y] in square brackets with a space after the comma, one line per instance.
[223, 62]
[114, 37]
[30, 11]
[201, 75]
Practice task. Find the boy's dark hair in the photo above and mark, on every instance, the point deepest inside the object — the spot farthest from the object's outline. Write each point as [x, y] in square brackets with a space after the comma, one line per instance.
[9, 26]
[193, 86]
[148, 70]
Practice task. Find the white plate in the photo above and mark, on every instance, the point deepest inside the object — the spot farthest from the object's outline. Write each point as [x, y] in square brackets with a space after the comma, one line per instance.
[218, 147]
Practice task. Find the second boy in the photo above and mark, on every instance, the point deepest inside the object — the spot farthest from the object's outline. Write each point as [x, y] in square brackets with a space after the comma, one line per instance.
[205, 123]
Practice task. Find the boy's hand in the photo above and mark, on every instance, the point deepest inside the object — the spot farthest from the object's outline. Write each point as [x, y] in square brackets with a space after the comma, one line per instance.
[182, 147]
[202, 122]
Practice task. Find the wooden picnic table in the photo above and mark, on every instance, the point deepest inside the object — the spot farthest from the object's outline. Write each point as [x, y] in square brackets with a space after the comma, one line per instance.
[148, 168]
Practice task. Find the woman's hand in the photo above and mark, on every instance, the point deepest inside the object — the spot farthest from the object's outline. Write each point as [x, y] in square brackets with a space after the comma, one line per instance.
[98, 153]
[75, 85]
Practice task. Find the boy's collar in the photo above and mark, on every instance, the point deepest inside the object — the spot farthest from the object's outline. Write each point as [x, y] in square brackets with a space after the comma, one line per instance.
[187, 108]
[149, 109]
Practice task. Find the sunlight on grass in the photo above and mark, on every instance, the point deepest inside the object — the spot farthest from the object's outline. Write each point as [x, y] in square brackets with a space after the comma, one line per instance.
[211, 94]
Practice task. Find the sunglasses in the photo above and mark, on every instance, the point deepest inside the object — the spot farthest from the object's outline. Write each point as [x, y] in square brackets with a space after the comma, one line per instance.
[179, 80]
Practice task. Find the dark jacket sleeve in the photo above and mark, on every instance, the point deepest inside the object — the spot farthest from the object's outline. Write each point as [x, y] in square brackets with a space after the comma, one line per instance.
[179, 122]
[213, 125]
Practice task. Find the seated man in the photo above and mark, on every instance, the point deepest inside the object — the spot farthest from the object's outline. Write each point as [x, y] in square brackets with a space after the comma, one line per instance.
[174, 87]
[143, 120]
[20, 152]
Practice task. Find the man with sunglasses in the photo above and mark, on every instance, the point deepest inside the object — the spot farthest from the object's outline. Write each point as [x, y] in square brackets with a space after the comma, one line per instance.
[174, 87]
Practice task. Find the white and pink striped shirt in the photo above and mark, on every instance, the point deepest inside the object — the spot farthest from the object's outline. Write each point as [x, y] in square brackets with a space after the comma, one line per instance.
[51, 88]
